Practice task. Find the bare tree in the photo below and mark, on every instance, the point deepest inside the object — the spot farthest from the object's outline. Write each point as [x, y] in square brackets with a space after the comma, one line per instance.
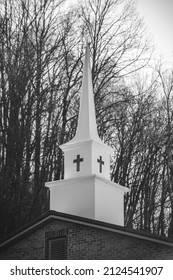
[166, 81]
[41, 51]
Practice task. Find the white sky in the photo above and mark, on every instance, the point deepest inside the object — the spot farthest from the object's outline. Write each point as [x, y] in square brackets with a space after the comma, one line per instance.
[158, 16]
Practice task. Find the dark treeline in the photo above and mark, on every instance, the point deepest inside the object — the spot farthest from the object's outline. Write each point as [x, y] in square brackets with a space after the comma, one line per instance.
[41, 58]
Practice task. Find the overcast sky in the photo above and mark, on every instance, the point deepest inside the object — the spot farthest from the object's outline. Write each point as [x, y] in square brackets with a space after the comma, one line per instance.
[158, 16]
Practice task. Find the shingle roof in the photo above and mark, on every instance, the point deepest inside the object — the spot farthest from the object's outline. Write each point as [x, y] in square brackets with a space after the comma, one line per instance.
[53, 215]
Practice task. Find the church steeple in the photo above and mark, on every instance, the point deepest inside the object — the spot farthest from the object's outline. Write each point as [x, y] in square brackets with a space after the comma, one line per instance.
[86, 154]
[87, 128]
[86, 190]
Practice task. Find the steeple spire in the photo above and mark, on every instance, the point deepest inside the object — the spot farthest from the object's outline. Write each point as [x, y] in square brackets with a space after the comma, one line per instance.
[86, 190]
[86, 154]
[87, 127]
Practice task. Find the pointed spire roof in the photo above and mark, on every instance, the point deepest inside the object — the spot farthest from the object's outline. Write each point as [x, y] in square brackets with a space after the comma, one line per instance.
[87, 127]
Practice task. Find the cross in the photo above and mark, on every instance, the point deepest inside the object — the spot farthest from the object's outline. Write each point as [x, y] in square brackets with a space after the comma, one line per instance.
[101, 162]
[78, 160]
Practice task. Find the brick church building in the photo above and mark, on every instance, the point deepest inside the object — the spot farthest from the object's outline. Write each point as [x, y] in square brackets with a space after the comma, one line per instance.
[86, 216]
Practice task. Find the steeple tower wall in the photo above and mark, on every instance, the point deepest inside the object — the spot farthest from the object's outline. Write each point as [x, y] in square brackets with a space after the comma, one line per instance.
[86, 189]
[87, 158]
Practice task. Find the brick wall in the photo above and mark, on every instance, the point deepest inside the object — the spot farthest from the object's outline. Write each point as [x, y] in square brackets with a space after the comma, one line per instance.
[84, 242]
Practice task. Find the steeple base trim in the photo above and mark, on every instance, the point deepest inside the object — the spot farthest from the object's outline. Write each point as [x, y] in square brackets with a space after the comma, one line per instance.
[89, 196]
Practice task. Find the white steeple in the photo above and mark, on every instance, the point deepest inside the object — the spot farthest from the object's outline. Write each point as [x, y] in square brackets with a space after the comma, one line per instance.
[86, 154]
[86, 189]
[87, 128]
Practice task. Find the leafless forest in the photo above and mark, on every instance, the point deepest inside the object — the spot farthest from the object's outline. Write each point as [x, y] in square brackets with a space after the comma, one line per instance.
[42, 46]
